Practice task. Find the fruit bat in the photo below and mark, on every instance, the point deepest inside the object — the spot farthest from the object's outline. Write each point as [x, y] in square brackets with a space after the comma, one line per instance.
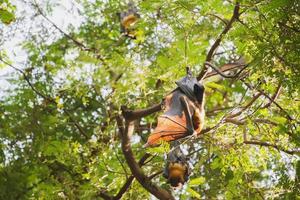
[183, 112]
[177, 169]
[128, 19]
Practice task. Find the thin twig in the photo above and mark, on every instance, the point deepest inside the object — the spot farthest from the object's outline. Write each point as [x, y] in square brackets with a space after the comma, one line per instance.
[218, 17]
[268, 97]
[137, 172]
[79, 44]
[27, 80]
[266, 144]
[274, 97]
[48, 98]
[225, 75]
[246, 106]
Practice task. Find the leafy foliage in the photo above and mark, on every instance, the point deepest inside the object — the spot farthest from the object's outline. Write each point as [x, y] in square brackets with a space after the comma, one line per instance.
[6, 12]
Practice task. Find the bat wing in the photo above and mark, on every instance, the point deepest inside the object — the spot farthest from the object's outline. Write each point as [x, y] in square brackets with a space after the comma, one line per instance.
[168, 129]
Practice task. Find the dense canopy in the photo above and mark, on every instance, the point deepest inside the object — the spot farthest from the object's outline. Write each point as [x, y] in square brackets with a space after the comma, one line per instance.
[67, 70]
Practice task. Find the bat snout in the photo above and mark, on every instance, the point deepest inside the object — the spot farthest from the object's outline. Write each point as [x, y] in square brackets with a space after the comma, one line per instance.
[179, 187]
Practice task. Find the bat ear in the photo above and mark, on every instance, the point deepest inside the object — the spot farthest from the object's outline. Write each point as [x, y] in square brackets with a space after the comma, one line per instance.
[199, 92]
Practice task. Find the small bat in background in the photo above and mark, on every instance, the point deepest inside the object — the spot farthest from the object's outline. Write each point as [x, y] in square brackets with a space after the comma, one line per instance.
[177, 169]
[128, 19]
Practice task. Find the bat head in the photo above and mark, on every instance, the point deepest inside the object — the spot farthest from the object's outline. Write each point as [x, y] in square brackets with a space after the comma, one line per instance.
[199, 92]
[176, 174]
[176, 181]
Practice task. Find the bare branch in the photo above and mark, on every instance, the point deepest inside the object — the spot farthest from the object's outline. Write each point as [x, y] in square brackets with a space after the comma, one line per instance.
[234, 121]
[126, 185]
[225, 75]
[133, 115]
[80, 129]
[27, 80]
[274, 97]
[246, 106]
[130, 179]
[243, 122]
[218, 17]
[216, 110]
[210, 53]
[224, 32]
[76, 42]
[225, 68]
[266, 144]
[268, 97]
[155, 174]
[48, 98]
[265, 121]
[105, 196]
[133, 165]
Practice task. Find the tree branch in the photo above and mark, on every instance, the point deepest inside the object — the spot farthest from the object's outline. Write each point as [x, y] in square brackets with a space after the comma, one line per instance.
[126, 185]
[80, 129]
[130, 179]
[225, 75]
[131, 115]
[210, 53]
[274, 97]
[268, 97]
[266, 144]
[225, 68]
[224, 32]
[133, 165]
[104, 196]
[243, 122]
[28, 81]
[50, 99]
[225, 21]
[155, 174]
[246, 106]
[76, 42]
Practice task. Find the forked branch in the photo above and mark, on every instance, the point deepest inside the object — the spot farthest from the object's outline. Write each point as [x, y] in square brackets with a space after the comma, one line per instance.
[137, 172]
[217, 42]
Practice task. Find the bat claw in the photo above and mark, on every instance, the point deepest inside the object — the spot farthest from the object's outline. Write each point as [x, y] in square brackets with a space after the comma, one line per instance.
[146, 145]
[195, 134]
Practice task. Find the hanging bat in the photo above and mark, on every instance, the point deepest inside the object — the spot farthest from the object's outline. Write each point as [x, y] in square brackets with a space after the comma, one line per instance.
[128, 19]
[183, 112]
[177, 170]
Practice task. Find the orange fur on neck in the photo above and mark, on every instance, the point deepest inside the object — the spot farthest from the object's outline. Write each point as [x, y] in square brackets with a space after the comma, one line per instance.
[129, 20]
[177, 170]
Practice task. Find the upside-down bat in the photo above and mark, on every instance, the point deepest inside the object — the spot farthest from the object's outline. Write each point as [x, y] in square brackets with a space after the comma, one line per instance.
[183, 112]
[177, 170]
[128, 19]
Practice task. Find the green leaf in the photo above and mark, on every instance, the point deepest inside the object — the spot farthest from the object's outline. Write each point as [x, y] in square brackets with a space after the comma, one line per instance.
[6, 17]
[215, 86]
[216, 163]
[193, 193]
[197, 181]
[280, 120]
